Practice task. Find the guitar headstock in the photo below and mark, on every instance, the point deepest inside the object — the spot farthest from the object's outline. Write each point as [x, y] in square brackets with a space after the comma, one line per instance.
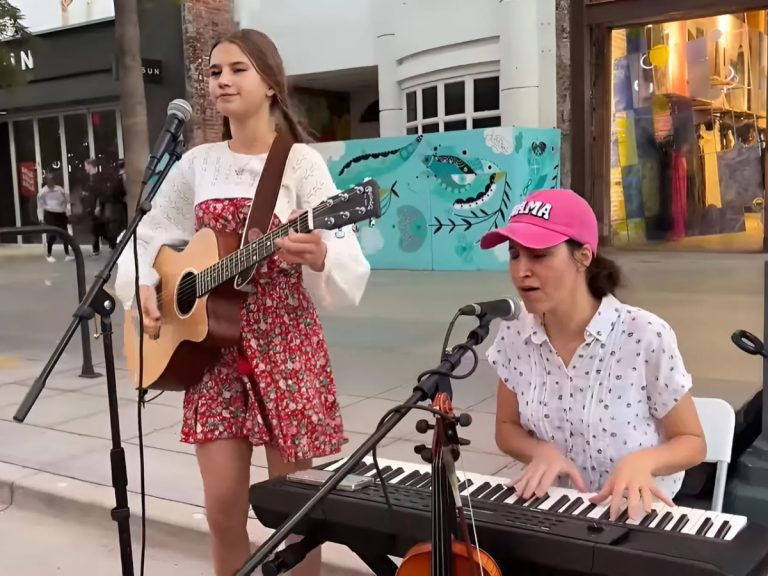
[361, 202]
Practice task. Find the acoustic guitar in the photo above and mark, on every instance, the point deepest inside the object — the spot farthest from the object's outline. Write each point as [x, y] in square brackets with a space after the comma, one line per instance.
[199, 304]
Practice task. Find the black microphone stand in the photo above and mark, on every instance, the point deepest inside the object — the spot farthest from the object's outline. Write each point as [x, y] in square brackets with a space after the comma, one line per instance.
[99, 301]
[438, 380]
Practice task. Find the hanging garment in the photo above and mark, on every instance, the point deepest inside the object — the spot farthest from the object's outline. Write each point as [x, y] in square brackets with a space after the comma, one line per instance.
[679, 168]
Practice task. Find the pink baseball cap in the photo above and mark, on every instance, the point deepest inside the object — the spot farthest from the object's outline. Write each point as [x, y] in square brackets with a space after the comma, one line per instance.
[547, 218]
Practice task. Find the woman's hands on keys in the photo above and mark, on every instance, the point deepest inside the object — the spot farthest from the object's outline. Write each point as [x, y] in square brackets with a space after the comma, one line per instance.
[631, 479]
[541, 472]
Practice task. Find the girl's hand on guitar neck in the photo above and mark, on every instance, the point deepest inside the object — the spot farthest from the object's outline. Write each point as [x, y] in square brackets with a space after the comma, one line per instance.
[150, 312]
[307, 249]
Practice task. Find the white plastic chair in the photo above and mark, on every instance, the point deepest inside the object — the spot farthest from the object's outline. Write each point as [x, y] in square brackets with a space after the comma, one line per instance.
[718, 421]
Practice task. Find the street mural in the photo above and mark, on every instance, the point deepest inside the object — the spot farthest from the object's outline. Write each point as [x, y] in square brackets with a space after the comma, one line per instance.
[441, 192]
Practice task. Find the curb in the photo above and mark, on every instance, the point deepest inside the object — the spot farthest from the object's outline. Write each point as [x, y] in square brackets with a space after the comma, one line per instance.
[169, 524]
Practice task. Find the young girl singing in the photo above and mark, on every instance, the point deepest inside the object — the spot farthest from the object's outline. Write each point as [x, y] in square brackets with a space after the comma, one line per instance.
[276, 388]
[590, 389]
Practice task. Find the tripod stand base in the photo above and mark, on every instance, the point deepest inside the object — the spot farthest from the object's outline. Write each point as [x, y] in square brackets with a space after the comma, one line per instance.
[747, 490]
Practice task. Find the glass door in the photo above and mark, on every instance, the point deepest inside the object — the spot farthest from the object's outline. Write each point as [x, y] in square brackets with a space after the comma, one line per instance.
[26, 174]
[58, 144]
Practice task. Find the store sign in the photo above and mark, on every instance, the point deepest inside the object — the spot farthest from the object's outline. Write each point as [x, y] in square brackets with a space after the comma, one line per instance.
[23, 59]
[152, 70]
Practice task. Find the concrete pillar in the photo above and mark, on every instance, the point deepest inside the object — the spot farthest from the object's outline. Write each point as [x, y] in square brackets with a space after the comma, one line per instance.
[391, 112]
[527, 76]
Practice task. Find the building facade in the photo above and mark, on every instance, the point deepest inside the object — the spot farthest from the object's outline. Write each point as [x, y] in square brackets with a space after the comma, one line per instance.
[69, 110]
[374, 68]
[669, 121]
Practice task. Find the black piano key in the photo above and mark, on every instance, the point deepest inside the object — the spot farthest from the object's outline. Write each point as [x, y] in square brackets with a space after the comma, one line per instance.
[587, 509]
[326, 465]
[427, 485]
[424, 482]
[574, 505]
[384, 471]
[606, 515]
[649, 518]
[408, 478]
[366, 469]
[536, 502]
[664, 520]
[722, 532]
[359, 467]
[480, 490]
[623, 517]
[503, 495]
[389, 476]
[418, 480]
[465, 484]
[680, 524]
[492, 492]
[705, 526]
[559, 503]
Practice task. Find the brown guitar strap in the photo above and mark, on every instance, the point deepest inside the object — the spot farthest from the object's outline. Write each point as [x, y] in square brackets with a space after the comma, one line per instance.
[265, 198]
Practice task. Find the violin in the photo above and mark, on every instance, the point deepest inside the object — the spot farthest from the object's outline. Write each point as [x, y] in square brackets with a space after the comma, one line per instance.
[446, 554]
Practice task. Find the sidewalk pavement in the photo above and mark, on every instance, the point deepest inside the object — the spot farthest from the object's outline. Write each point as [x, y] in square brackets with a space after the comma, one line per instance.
[60, 454]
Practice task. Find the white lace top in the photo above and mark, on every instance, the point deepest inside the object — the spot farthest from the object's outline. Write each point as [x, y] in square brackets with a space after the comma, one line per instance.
[625, 377]
[213, 171]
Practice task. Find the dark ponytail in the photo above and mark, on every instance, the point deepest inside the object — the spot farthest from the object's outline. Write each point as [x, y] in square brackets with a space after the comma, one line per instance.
[264, 55]
[603, 275]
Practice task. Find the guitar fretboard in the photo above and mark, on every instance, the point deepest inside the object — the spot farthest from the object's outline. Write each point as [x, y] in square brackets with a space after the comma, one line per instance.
[247, 256]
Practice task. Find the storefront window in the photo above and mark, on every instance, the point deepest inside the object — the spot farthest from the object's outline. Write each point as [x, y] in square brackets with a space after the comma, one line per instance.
[7, 205]
[26, 174]
[688, 133]
[78, 151]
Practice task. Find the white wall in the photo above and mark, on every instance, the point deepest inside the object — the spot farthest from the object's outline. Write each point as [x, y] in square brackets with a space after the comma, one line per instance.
[314, 35]
[417, 41]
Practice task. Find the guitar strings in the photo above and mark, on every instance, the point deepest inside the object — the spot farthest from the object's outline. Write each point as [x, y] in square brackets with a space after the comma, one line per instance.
[188, 287]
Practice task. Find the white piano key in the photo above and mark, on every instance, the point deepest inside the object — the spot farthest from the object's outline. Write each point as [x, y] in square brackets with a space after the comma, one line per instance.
[661, 510]
[695, 517]
[737, 523]
[555, 494]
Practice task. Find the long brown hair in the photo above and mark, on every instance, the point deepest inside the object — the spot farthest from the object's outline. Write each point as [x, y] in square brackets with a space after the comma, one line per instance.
[262, 52]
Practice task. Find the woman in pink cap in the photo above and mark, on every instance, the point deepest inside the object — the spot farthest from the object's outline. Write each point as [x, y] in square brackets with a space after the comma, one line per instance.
[590, 389]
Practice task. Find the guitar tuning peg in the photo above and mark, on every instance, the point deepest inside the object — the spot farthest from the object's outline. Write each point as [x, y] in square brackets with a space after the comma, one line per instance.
[355, 228]
[463, 442]
[372, 223]
[465, 419]
[422, 426]
[339, 233]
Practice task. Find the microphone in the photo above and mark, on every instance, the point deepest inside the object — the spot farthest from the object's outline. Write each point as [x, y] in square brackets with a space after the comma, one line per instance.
[504, 309]
[179, 112]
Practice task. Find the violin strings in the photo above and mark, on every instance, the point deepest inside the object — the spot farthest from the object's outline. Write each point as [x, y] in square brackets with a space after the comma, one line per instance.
[472, 517]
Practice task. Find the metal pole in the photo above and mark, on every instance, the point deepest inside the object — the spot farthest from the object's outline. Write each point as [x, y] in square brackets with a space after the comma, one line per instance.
[85, 335]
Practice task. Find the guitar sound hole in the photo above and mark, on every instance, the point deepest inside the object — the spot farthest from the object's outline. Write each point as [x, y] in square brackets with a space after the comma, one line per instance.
[186, 294]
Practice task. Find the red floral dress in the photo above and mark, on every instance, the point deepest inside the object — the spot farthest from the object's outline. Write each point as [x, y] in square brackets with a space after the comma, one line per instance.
[275, 388]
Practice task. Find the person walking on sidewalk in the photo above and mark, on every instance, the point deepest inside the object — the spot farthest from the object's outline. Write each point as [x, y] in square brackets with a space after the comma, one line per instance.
[52, 209]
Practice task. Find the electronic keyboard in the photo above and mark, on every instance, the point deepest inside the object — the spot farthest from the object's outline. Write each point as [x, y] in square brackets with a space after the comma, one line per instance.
[561, 531]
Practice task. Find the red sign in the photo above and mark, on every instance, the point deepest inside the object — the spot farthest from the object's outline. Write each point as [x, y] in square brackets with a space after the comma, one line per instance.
[28, 178]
